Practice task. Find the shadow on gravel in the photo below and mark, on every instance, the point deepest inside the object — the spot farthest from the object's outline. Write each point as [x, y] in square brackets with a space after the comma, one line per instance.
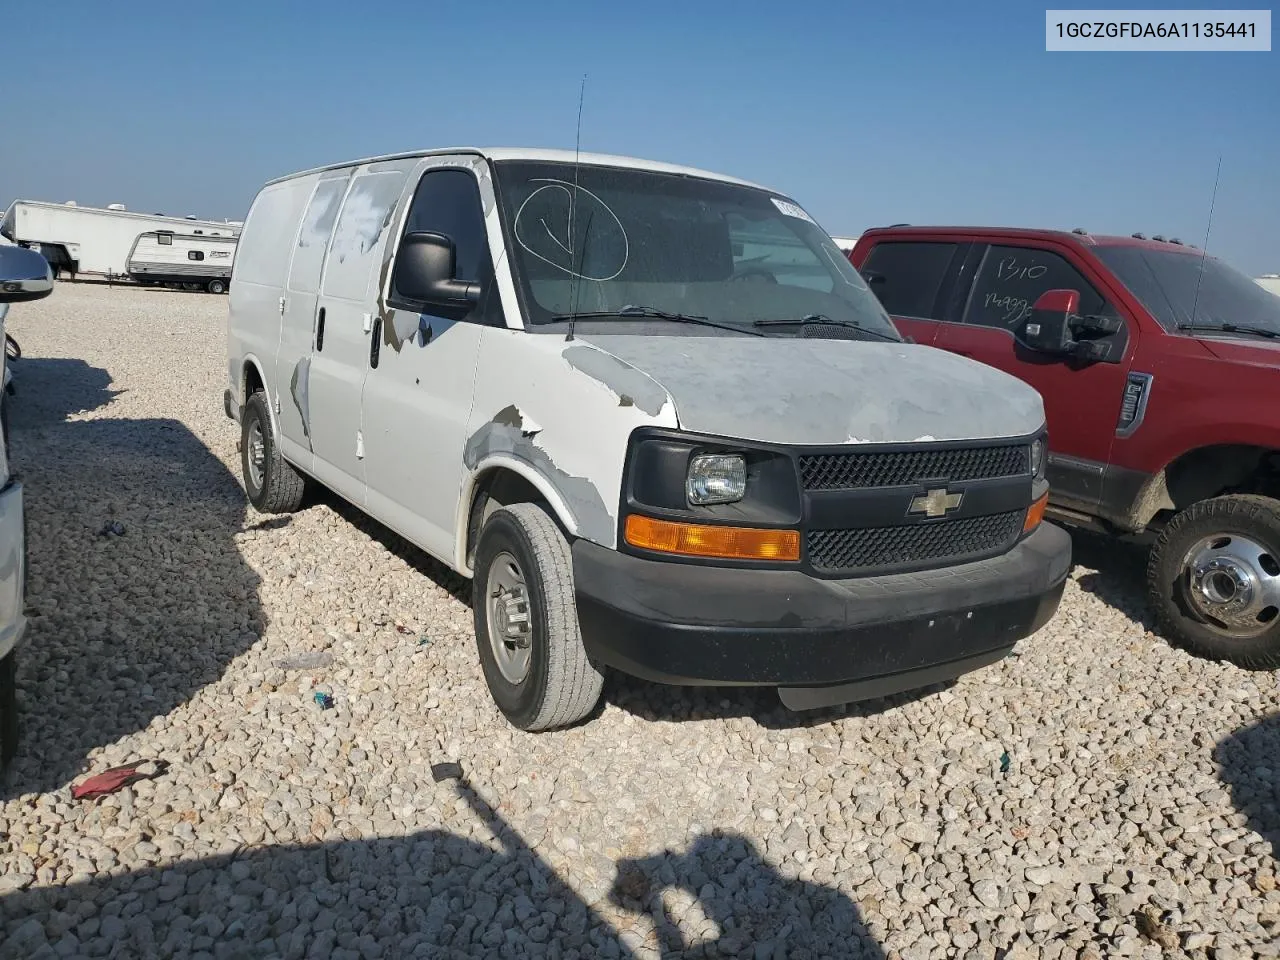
[457, 586]
[432, 894]
[1249, 766]
[1117, 573]
[657, 702]
[47, 390]
[137, 595]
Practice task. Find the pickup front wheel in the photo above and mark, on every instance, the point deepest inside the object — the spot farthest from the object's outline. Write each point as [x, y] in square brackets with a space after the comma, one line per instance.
[1214, 580]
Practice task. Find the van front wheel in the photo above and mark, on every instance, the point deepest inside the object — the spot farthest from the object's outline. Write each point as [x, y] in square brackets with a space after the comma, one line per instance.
[1214, 580]
[526, 622]
[272, 485]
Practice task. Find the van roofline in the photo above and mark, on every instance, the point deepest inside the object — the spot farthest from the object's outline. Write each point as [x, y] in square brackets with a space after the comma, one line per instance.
[537, 153]
[1032, 233]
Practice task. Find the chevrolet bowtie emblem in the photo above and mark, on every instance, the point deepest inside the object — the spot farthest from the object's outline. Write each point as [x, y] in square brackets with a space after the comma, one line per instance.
[936, 503]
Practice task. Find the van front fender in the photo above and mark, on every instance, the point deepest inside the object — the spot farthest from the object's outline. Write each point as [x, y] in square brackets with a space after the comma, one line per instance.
[575, 503]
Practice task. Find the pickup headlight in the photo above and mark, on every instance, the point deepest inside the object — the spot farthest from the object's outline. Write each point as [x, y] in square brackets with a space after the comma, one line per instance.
[716, 478]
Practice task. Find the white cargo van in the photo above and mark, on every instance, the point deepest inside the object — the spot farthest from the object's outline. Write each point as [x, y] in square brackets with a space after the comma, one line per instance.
[653, 412]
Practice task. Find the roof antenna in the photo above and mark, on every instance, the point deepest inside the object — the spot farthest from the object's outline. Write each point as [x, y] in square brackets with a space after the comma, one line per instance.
[1205, 251]
[573, 207]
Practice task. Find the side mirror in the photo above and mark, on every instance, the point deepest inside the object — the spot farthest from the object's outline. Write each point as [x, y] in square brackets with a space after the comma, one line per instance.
[872, 277]
[1049, 327]
[24, 275]
[425, 276]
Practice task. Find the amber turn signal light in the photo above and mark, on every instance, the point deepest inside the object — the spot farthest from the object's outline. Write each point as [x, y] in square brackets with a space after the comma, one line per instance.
[1035, 513]
[700, 540]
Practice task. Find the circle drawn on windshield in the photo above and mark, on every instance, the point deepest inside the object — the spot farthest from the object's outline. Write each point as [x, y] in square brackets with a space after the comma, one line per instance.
[542, 227]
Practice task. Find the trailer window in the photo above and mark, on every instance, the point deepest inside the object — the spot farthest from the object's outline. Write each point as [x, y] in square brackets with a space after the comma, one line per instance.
[164, 239]
[195, 254]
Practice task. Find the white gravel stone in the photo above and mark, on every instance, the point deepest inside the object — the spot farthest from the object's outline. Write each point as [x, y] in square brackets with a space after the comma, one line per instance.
[707, 820]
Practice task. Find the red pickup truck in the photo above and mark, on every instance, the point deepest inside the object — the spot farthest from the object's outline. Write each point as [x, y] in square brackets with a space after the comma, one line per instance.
[1160, 372]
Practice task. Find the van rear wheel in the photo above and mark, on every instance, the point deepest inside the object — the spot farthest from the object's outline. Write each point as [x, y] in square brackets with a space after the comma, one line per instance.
[1214, 580]
[272, 485]
[526, 622]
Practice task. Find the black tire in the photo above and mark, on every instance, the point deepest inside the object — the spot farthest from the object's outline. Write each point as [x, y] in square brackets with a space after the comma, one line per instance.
[1219, 522]
[561, 685]
[216, 286]
[4, 428]
[8, 708]
[275, 487]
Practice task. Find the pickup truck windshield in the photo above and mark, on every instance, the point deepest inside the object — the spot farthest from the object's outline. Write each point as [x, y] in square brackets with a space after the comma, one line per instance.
[1165, 282]
[622, 247]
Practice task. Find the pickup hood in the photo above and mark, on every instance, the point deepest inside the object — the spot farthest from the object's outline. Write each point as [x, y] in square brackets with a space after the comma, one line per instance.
[1243, 349]
[799, 391]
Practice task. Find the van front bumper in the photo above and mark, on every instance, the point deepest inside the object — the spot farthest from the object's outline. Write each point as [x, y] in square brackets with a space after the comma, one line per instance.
[821, 642]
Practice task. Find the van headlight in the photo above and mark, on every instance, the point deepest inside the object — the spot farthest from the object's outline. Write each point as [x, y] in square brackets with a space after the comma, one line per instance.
[716, 478]
[1039, 451]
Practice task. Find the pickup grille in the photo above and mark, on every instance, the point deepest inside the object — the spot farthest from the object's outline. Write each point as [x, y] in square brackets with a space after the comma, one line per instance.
[875, 548]
[851, 471]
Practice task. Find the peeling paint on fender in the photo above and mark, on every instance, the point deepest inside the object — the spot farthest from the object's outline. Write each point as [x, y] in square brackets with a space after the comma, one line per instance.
[506, 433]
[632, 386]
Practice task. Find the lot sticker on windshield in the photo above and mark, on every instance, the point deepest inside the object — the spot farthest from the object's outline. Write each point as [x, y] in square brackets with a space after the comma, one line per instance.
[791, 210]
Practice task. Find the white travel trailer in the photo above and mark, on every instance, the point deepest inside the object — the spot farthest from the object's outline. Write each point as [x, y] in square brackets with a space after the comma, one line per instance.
[182, 259]
[846, 244]
[653, 412]
[93, 242]
[1270, 282]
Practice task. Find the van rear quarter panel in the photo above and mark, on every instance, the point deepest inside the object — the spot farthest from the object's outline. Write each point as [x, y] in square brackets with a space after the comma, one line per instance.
[258, 280]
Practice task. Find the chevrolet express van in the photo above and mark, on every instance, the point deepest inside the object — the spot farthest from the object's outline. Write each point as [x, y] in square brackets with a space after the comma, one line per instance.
[654, 414]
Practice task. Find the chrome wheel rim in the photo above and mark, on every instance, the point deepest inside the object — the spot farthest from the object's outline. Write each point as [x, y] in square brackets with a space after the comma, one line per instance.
[1233, 584]
[255, 454]
[507, 611]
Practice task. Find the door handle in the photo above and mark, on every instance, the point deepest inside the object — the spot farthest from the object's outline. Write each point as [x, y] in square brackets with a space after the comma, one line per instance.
[320, 331]
[374, 348]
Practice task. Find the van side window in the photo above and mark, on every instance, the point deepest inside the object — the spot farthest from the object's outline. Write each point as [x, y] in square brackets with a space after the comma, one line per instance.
[907, 276]
[448, 202]
[1011, 279]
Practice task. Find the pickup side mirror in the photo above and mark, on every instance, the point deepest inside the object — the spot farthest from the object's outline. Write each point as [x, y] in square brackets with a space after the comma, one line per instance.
[425, 276]
[1049, 327]
[24, 275]
[872, 277]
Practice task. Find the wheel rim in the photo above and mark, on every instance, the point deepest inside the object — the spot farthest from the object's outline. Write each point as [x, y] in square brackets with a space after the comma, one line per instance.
[1233, 584]
[256, 453]
[507, 610]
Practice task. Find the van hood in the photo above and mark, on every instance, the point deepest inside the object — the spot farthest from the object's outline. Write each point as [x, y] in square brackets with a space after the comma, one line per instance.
[809, 391]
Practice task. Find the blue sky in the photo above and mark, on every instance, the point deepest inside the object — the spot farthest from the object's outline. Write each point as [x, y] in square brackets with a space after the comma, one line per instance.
[866, 113]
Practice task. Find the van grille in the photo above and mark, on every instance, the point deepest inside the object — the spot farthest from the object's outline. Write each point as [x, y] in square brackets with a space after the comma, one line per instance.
[857, 550]
[847, 471]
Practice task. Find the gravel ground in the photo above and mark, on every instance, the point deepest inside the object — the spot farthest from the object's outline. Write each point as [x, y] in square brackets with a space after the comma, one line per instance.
[1099, 794]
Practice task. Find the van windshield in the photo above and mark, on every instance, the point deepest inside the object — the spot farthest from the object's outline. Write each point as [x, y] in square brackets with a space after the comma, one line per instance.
[1171, 287]
[623, 244]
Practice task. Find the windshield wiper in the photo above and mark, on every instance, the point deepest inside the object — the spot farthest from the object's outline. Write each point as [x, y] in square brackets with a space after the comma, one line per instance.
[1230, 328]
[631, 311]
[820, 318]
